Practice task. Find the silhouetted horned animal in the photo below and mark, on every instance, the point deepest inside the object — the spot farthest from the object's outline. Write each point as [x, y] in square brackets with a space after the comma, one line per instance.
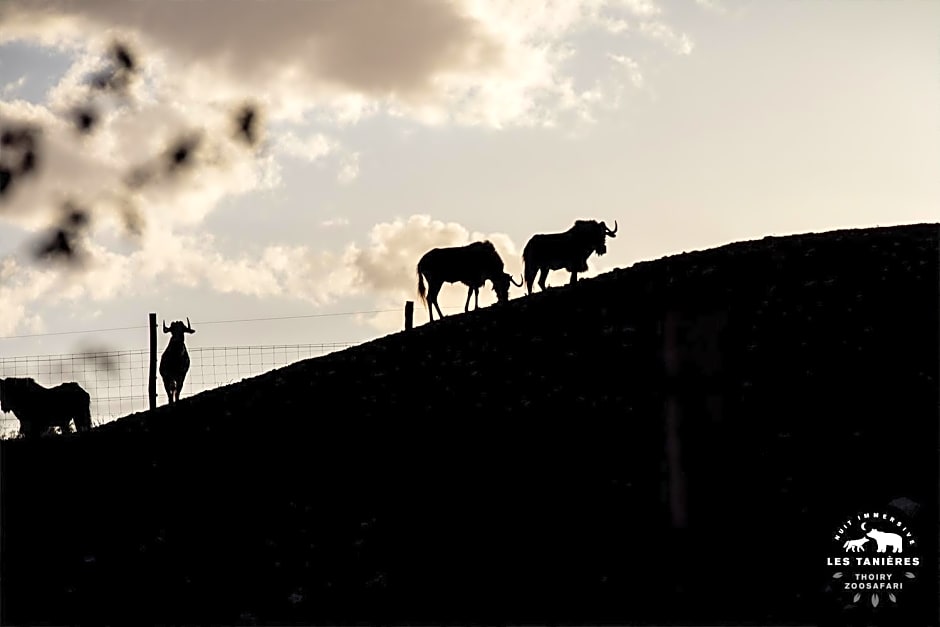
[39, 408]
[471, 265]
[174, 364]
[568, 250]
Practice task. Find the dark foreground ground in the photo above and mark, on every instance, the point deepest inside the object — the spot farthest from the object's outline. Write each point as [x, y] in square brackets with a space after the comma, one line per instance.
[515, 465]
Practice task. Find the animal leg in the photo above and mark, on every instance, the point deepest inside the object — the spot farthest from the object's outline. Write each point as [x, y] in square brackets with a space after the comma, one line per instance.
[433, 290]
[574, 278]
[530, 273]
[466, 306]
[543, 278]
[476, 298]
[169, 391]
[179, 388]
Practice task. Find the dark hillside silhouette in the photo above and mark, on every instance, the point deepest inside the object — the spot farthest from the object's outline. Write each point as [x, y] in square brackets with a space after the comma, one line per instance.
[670, 443]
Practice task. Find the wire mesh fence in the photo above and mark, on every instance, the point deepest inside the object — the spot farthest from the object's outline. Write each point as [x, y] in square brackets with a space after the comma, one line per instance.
[118, 381]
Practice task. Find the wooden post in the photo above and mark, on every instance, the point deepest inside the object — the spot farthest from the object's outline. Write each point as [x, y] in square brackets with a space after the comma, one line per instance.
[409, 314]
[153, 361]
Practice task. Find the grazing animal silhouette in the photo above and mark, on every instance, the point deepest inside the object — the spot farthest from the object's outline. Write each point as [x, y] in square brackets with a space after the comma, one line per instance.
[471, 265]
[174, 364]
[568, 250]
[39, 408]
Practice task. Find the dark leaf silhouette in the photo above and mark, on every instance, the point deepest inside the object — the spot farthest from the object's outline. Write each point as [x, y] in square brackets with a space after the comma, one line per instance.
[121, 71]
[18, 154]
[247, 124]
[85, 118]
[64, 242]
[182, 153]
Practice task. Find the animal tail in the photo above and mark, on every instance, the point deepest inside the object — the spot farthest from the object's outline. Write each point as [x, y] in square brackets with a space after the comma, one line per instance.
[421, 289]
[527, 277]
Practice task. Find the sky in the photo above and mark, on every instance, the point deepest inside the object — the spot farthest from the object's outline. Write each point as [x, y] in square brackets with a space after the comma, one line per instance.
[383, 129]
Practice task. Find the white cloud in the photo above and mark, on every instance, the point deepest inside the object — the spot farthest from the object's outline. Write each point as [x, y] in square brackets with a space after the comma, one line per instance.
[18, 288]
[10, 89]
[492, 62]
[312, 147]
[659, 31]
[632, 67]
[349, 170]
[711, 5]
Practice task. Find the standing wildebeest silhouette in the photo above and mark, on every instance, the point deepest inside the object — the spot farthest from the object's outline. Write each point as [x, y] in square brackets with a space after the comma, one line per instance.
[174, 364]
[569, 250]
[471, 265]
[39, 408]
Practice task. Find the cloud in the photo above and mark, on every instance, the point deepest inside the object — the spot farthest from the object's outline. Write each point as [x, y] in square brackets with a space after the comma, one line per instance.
[711, 5]
[632, 67]
[492, 62]
[158, 163]
[10, 89]
[19, 287]
[173, 79]
[311, 148]
[350, 169]
[152, 134]
[659, 31]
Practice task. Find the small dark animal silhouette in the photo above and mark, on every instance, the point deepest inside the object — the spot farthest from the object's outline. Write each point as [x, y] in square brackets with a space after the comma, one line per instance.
[174, 364]
[39, 408]
[471, 265]
[568, 250]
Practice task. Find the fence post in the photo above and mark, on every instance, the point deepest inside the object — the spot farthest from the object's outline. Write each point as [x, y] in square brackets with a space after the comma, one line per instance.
[153, 361]
[409, 314]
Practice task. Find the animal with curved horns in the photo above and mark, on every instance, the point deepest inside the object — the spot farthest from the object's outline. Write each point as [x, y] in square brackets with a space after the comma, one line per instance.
[472, 265]
[40, 408]
[174, 364]
[569, 250]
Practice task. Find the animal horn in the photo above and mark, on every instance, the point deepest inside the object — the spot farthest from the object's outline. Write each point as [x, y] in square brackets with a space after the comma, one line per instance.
[165, 329]
[609, 232]
[189, 327]
[513, 281]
